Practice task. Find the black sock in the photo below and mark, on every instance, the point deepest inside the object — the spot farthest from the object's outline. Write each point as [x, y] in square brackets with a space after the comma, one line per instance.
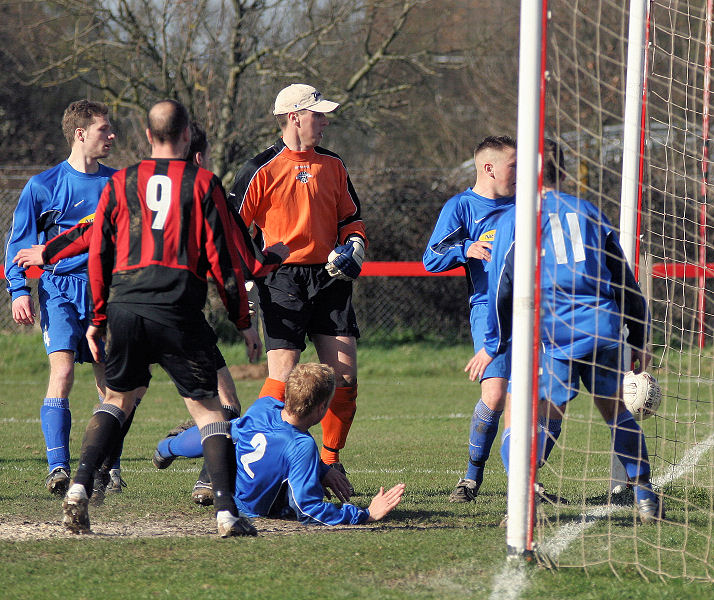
[116, 451]
[220, 460]
[100, 436]
[204, 476]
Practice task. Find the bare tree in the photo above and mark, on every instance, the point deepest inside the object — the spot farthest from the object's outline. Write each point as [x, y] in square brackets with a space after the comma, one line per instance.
[226, 59]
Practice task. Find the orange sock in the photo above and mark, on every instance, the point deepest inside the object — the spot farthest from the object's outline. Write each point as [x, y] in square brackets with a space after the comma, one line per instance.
[336, 423]
[273, 388]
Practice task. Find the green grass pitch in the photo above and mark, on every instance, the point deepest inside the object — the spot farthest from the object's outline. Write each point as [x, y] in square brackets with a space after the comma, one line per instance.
[414, 408]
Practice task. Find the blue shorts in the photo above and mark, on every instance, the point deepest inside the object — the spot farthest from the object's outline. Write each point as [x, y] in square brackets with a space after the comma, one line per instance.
[501, 365]
[65, 312]
[601, 373]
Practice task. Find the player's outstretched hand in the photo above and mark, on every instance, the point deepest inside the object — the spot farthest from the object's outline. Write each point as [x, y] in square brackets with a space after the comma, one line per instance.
[339, 484]
[641, 358]
[345, 262]
[94, 336]
[253, 346]
[384, 502]
[23, 310]
[477, 365]
[280, 249]
[30, 257]
[480, 250]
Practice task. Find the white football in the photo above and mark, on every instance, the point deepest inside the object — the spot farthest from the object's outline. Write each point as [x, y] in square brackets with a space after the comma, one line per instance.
[642, 394]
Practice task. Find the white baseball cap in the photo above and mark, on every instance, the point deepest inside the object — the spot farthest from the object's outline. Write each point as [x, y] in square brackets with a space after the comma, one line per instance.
[300, 96]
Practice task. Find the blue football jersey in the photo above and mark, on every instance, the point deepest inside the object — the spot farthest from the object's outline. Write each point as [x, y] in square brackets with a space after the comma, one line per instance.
[579, 312]
[465, 218]
[280, 465]
[587, 288]
[50, 203]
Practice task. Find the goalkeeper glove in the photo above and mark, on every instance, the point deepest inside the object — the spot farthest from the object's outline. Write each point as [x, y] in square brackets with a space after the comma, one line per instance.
[345, 262]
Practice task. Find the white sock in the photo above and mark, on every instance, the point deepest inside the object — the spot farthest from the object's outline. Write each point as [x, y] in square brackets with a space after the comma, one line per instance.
[225, 516]
[77, 490]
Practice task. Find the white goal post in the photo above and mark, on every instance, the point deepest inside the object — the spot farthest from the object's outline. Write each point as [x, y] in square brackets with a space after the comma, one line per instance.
[623, 88]
[519, 529]
[631, 195]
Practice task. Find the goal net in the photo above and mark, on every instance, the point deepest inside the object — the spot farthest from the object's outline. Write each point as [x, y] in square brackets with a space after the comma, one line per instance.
[586, 72]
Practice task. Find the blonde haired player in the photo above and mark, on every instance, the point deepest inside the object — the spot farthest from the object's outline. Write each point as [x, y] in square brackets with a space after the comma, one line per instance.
[280, 473]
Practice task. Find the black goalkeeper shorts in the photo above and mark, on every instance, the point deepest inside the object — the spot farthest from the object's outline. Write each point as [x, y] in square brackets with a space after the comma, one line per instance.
[300, 300]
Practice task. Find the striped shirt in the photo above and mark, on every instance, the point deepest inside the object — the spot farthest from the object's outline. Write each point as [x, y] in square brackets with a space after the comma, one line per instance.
[160, 227]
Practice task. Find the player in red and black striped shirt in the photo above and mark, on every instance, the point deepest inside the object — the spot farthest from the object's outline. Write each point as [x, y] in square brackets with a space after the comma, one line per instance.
[161, 226]
[256, 263]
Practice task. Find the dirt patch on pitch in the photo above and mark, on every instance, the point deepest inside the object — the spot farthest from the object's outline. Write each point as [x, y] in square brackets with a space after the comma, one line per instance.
[249, 371]
[19, 530]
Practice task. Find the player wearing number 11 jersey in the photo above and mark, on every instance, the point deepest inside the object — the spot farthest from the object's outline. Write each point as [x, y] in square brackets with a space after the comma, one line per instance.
[588, 292]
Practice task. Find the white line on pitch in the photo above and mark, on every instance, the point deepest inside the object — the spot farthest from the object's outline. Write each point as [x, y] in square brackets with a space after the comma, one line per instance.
[373, 418]
[512, 580]
[129, 467]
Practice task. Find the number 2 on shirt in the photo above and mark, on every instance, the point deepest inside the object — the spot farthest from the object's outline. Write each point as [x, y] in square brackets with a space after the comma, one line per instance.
[260, 444]
[158, 198]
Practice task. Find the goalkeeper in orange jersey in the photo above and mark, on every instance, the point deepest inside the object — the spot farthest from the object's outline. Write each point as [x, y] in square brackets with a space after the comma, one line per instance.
[299, 193]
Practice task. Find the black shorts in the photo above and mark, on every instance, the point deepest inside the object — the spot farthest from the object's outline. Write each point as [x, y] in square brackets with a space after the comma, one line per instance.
[299, 300]
[187, 354]
[218, 361]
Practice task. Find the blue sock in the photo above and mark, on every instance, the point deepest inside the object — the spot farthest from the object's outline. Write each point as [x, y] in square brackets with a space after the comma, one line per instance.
[643, 491]
[552, 433]
[631, 449]
[187, 443]
[542, 441]
[484, 427]
[56, 421]
[505, 443]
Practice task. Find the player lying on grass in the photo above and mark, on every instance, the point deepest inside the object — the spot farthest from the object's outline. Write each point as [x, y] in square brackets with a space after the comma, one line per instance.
[588, 293]
[280, 474]
[75, 241]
